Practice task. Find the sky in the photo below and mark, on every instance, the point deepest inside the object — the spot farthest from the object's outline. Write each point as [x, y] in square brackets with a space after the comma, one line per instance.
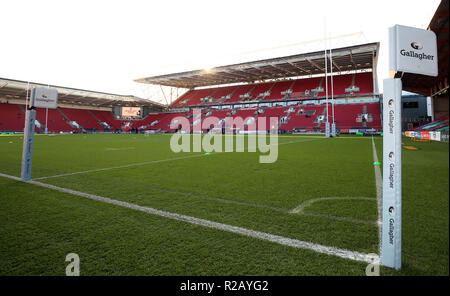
[105, 45]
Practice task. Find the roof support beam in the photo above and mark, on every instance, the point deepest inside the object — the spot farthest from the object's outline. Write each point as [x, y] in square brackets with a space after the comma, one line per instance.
[352, 60]
[270, 74]
[282, 69]
[298, 67]
[336, 66]
[239, 77]
[315, 65]
[246, 75]
[164, 95]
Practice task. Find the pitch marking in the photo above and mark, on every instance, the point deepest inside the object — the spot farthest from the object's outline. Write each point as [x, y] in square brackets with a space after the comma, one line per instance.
[379, 189]
[144, 163]
[120, 166]
[342, 253]
[301, 208]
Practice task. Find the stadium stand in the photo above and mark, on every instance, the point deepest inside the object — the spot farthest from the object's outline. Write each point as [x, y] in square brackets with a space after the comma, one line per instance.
[296, 117]
[82, 118]
[344, 85]
[106, 117]
[303, 118]
[242, 92]
[57, 122]
[12, 118]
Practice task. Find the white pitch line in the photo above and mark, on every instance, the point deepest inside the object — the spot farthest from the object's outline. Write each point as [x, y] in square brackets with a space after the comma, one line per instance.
[306, 203]
[144, 163]
[379, 191]
[293, 142]
[379, 188]
[119, 149]
[120, 166]
[300, 209]
[342, 253]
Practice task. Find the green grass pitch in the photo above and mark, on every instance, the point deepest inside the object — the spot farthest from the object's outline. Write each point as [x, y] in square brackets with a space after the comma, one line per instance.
[39, 226]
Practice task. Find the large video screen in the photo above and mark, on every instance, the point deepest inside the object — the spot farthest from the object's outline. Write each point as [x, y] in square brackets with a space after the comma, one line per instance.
[131, 111]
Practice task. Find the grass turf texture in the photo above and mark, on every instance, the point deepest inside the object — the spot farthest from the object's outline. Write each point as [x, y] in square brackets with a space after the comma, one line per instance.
[231, 188]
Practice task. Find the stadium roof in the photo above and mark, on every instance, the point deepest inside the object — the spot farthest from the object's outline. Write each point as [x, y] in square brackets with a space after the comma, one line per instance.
[428, 85]
[351, 58]
[16, 89]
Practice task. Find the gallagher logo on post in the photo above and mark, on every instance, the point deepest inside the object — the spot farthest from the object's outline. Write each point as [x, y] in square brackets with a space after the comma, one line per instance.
[416, 45]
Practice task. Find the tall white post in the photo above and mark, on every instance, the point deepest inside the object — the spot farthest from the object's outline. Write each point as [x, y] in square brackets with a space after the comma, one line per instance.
[43, 98]
[46, 120]
[26, 100]
[391, 239]
[28, 140]
[327, 124]
[333, 124]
